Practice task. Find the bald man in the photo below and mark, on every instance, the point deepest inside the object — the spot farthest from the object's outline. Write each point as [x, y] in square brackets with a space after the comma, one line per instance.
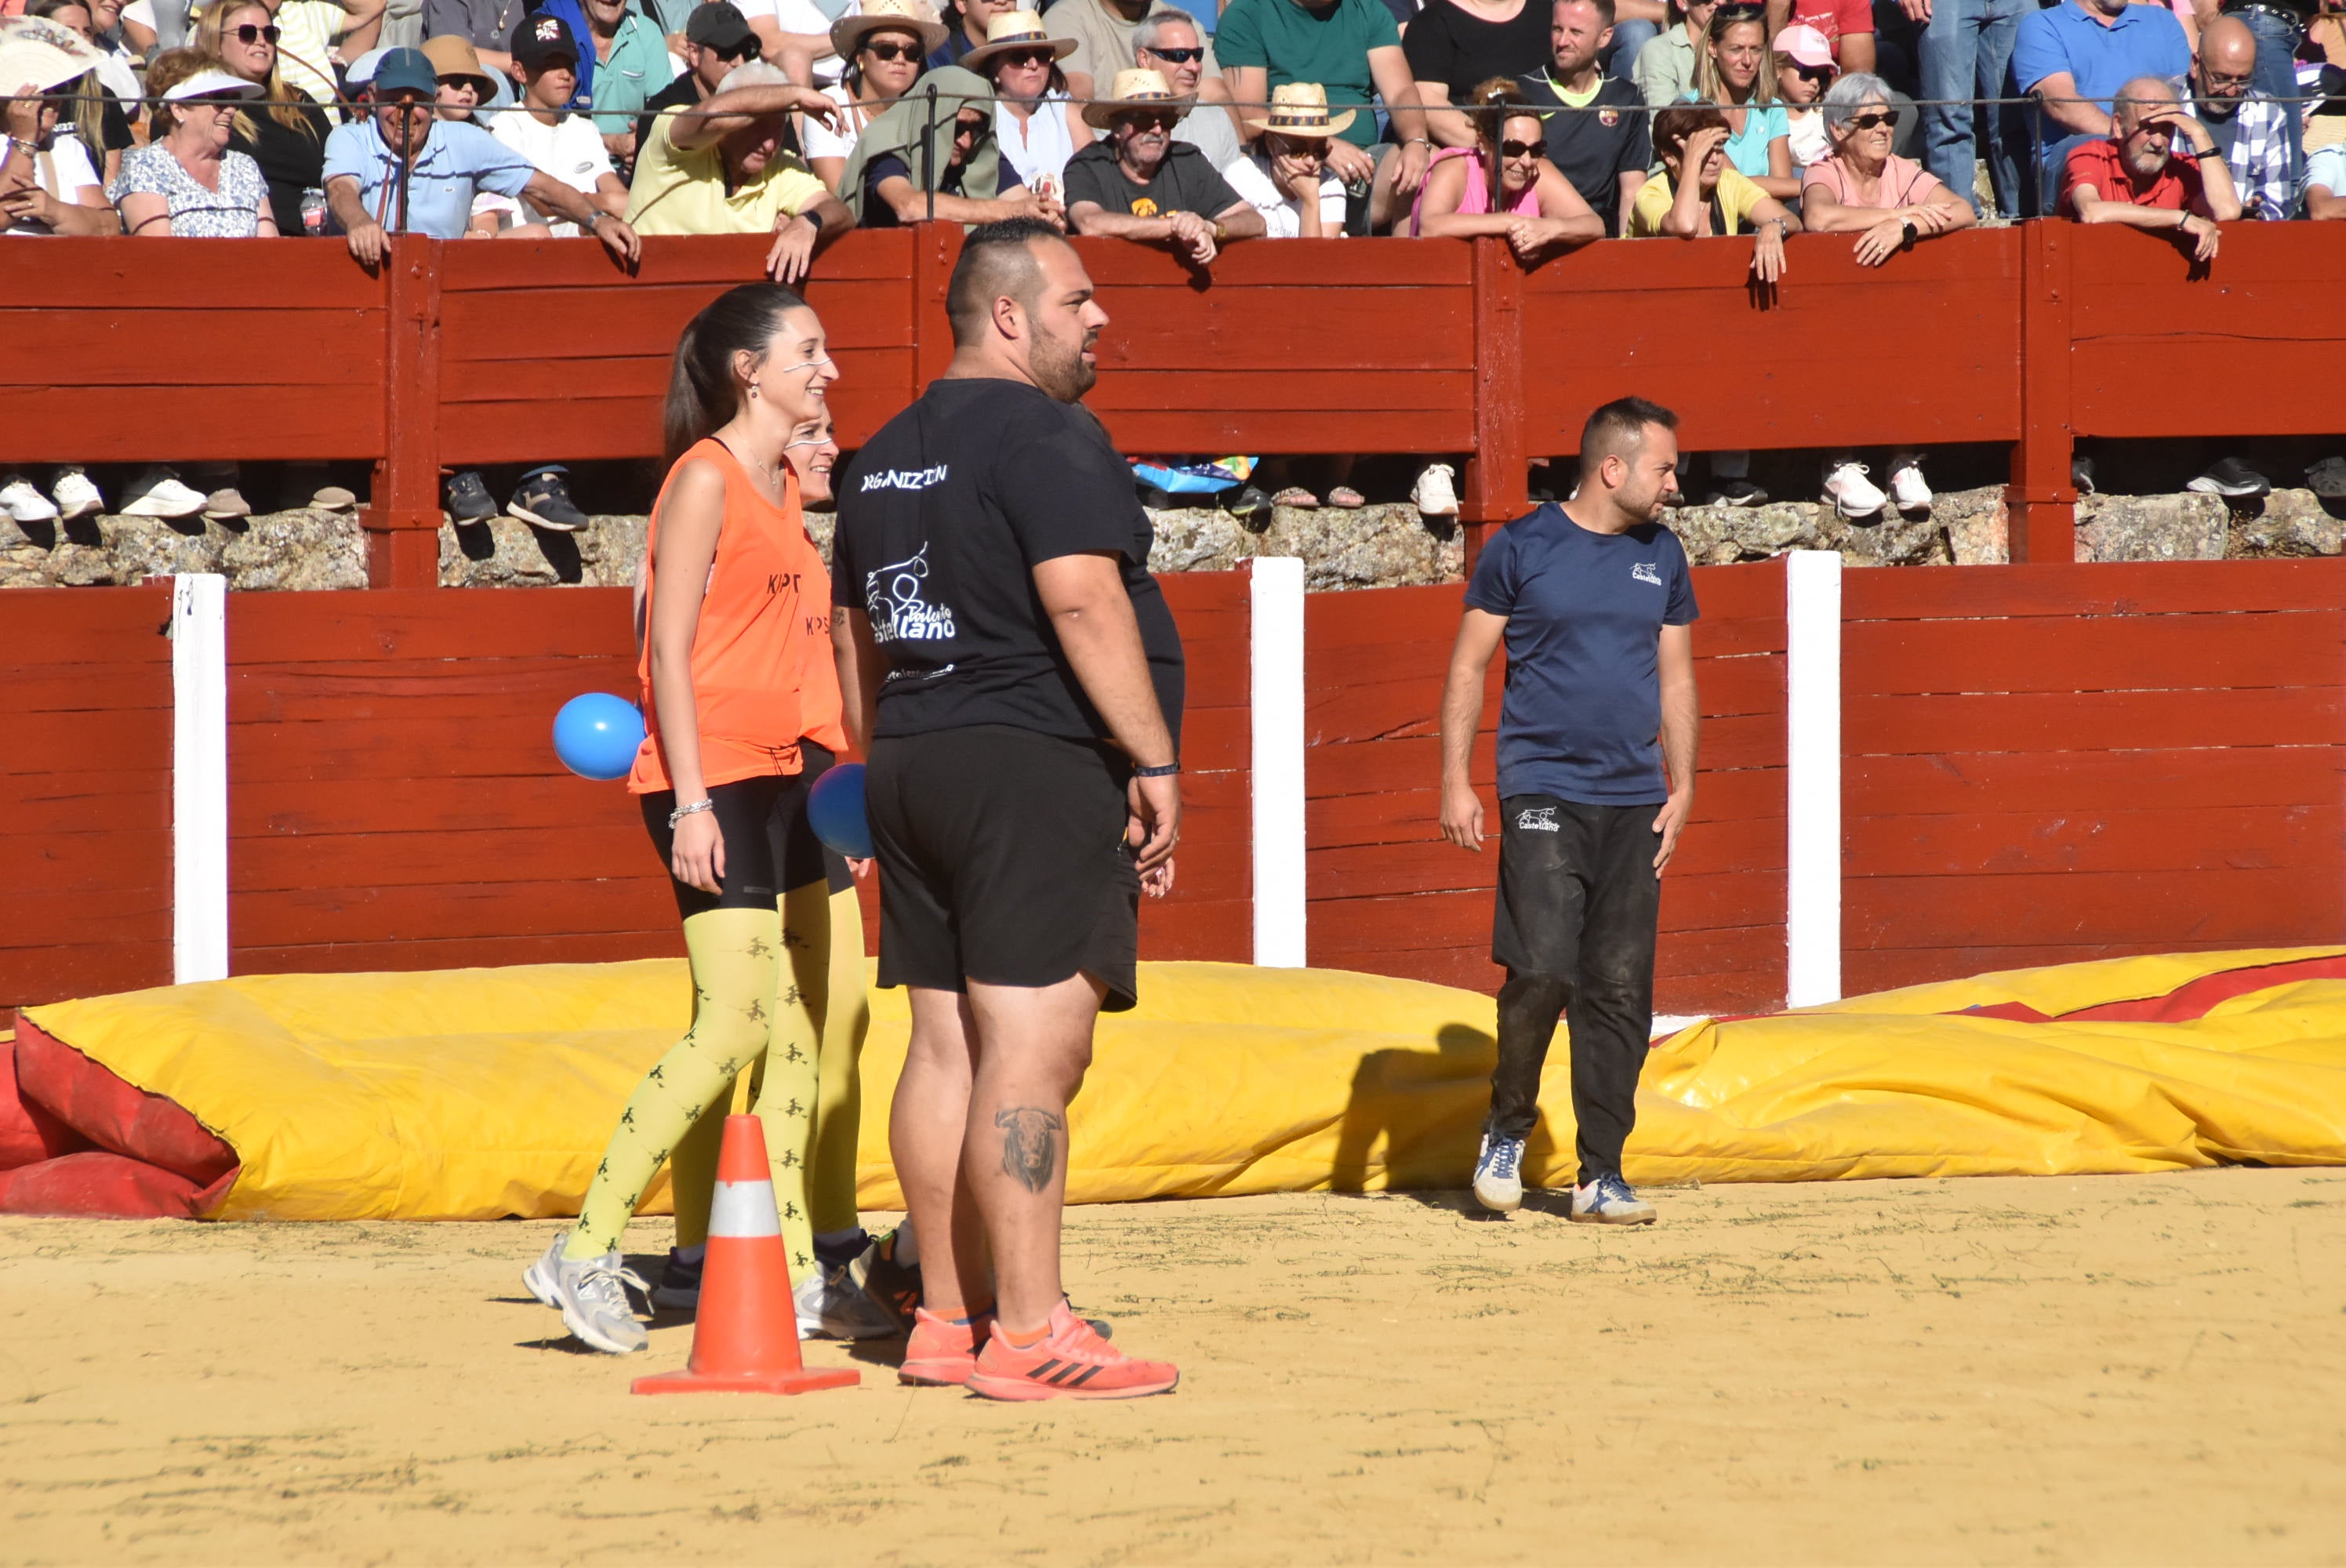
[2136, 177]
[2250, 129]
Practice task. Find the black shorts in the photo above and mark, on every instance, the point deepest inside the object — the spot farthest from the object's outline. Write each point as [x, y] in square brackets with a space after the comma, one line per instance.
[770, 847]
[1003, 860]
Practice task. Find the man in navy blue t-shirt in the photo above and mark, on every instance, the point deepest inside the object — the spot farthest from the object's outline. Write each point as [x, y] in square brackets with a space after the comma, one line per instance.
[1596, 744]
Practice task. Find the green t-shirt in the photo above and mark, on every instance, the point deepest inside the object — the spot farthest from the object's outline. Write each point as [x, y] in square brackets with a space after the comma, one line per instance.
[1327, 44]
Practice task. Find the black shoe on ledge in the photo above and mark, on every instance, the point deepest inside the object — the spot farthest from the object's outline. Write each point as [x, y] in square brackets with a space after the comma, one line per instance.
[468, 499]
[545, 500]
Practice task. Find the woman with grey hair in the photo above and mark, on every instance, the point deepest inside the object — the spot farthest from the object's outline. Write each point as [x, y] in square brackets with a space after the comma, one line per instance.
[1890, 203]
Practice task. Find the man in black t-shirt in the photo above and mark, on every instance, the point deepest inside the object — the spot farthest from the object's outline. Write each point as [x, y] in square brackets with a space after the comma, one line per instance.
[1015, 678]
[1601, 137]
[1141, 184]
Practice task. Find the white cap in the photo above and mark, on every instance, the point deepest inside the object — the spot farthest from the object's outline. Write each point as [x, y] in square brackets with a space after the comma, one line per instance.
[212, 83]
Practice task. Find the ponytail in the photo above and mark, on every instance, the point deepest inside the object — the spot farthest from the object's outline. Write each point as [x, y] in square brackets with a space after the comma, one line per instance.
[703, 391]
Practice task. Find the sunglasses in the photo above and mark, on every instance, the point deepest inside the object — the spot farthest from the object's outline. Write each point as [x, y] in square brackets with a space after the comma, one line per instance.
[1874, 118]
[1146, 119]
[1028, 56]
[1813, 73]
[1177, 56]
[747, 49]
[1740, 11]
[892, 51]
[252, 33]
[1522, 149]
[976, 131]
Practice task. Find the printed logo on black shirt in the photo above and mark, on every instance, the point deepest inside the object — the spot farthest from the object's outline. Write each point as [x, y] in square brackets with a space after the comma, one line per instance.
[904, 478]
[895, 597]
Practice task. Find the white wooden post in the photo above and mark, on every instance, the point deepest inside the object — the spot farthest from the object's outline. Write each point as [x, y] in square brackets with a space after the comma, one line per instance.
[1812, 776]
[1276, 759]
[198, 777]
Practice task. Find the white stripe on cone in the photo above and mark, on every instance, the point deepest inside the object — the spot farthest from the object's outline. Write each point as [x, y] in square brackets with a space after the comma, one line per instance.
[744, 1208]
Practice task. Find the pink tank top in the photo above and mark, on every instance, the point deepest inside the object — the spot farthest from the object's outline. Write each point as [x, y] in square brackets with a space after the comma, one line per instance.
[1477, 198]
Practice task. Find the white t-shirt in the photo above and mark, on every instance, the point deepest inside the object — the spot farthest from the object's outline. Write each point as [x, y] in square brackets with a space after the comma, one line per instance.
[821, 142]
[570, 150]
[798, 16]
[1810, 141]
[2326, 168]
[62, 171]
[1282, 215]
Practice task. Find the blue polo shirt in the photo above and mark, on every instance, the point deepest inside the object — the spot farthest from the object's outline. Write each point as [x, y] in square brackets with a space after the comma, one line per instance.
[2141, 41]
[458, 161]
[1581, 717]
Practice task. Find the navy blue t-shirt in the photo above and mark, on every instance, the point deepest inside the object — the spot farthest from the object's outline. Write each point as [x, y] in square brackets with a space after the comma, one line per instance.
[1581, 717]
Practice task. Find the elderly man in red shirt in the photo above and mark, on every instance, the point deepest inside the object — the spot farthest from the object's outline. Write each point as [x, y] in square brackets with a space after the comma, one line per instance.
[2144, 179]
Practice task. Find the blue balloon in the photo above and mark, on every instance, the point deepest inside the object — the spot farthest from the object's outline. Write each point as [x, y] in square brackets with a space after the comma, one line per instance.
[596, 734]
[835, 811]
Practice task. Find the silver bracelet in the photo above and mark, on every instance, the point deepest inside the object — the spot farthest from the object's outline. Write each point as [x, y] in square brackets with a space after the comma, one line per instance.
[677, 817]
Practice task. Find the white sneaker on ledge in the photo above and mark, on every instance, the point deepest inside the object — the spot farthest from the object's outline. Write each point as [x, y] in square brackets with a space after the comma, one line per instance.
[75, 496]
[1907, 487]
[158, 493]
[1850, 491]
[1433, 494]
[23, 502]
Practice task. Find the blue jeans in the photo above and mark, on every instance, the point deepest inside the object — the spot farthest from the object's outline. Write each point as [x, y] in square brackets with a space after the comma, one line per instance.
[1967, 53]
[1620, 60]
[2276, 76]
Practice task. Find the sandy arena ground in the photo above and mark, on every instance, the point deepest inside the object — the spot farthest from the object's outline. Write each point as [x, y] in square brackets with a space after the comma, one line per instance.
[2113, 1369]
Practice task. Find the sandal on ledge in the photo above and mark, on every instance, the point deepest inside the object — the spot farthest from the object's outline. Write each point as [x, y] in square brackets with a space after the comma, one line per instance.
[1295, 496]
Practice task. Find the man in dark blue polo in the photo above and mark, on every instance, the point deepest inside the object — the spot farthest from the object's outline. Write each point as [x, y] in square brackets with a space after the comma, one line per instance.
[1597, 748]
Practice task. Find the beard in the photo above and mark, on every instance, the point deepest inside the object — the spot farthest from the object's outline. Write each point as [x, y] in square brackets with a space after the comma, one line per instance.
[1058, 365]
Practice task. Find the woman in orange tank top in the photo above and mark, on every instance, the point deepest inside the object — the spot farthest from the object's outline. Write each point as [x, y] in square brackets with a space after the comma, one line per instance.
[741, 715]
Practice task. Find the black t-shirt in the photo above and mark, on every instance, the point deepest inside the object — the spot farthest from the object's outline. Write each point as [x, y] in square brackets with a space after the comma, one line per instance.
[290, 160]
[942, 518]
[1187, 181]
[877, 213]
[1594, 147]
[1444, 44]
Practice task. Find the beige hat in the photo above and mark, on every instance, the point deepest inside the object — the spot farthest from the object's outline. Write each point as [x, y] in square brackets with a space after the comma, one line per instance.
[1135, 90]
[871, 16]
[1015, 30]
[1300, 109]
[453, 54]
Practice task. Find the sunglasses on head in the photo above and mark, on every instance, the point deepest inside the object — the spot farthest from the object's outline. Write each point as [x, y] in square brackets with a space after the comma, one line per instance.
[892, 51]
[1740, 11]
[1873, 118]
[1521, 148]
[254, 33]
[1179, 56]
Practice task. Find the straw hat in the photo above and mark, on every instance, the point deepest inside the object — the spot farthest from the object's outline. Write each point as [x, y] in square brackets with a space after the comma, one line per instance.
[903, 15]
[1300, 109]
[453, 54]
[1015, 30]
[1135, 91]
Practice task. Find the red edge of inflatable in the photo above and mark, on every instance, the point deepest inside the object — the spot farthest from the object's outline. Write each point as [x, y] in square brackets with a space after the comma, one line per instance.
[99, 1146]
[2187, 1001]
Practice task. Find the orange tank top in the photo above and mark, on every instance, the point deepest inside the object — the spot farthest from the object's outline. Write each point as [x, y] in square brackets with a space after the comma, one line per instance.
[749, 652]
[820, 707]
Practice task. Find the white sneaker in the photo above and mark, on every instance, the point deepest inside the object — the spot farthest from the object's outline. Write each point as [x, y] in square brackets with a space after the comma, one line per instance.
[1498, 1175]
[1609, 1200]
[23, 502]
[1906, 483]
[158, 493]
[592, 1295]
[832, 1306]
[225, 504]
[1434, 493]
[1850, 491]
[75, 496]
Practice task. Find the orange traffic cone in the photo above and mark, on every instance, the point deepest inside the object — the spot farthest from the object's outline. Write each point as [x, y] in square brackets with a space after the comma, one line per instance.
[745, 1337]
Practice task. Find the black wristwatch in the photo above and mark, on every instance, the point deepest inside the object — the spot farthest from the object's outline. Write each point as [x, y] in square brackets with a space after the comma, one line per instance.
[1913, 233]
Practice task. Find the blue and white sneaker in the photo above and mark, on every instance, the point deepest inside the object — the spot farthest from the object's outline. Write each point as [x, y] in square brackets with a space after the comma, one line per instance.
[1609, 1200]
[1498, 1175]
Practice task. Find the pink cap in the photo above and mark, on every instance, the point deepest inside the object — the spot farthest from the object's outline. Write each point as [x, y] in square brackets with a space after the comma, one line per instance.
[1804, 46]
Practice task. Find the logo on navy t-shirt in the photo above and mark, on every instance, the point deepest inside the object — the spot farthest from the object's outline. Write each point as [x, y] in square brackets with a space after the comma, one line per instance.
[1647, 572]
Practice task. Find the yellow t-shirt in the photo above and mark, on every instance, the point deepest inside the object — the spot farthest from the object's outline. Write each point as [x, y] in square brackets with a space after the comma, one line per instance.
[1736, 193]
[682, 191]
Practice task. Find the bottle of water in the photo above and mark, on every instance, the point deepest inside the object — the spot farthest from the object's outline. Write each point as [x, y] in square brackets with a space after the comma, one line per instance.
[314, 212]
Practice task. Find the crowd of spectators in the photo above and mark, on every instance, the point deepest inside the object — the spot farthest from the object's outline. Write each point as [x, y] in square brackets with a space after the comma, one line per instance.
[1547, 123]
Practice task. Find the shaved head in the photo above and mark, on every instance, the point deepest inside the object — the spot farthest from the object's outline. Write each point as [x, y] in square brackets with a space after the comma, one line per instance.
[999, 262]
[2227, 45]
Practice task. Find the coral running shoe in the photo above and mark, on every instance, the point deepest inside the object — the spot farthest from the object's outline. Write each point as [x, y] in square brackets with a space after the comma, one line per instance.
[942, 1352]
[1070, 1361]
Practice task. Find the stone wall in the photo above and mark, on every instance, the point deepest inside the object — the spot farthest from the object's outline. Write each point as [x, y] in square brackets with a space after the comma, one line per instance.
[1376, 546]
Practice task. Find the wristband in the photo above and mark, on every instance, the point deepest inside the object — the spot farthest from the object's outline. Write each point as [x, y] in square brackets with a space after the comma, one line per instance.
[677, 817]
[1165, 770]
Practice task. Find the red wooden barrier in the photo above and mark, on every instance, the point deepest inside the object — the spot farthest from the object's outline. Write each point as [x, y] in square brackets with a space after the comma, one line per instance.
[2048, 764]
[465, 352]
[1389, 896]
[85, 792]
